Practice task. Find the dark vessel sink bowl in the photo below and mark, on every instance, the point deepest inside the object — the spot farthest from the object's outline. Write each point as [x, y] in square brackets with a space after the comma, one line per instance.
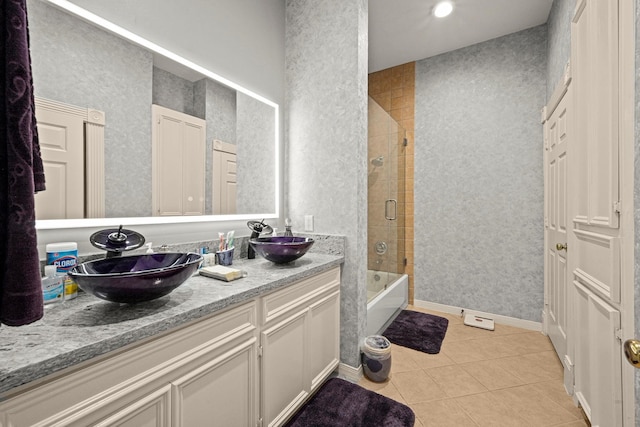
[281, 249]
[138, 278]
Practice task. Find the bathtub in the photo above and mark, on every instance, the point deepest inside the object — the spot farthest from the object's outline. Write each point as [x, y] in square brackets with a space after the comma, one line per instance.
[385, 299]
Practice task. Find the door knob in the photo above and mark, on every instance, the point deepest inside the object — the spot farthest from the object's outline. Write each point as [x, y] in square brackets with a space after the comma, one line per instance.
[560, 246]
[632, 352]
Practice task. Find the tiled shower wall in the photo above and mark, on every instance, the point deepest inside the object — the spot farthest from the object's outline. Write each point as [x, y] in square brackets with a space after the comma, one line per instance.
[394, 90]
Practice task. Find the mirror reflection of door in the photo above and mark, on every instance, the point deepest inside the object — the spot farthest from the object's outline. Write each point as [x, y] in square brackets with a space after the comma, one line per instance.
[61, 138]
[225, 178]
[178, 146]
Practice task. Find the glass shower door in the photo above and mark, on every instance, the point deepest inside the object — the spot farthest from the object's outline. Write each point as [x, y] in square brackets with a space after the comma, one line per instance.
[386, 199]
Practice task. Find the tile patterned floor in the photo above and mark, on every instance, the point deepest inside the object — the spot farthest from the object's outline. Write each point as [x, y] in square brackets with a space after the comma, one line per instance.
[507, 377]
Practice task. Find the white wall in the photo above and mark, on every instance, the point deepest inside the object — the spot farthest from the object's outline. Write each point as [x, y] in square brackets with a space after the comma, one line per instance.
[242, 40]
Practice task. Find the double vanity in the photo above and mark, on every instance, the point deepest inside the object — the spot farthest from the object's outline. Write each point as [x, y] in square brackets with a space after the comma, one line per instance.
[241, 353]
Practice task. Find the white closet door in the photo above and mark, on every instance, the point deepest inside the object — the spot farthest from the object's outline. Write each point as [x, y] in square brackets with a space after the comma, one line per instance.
[556, 149]
[225, 178]
[178, 163]
[193, 167]
[62, 149]
[595, 234]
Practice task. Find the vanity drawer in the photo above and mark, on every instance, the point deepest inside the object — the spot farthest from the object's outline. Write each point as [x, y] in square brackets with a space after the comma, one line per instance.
[285, 301]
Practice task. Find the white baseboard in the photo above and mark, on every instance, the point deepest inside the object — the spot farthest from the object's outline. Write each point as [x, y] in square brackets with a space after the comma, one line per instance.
[503, 320]
[350, 373]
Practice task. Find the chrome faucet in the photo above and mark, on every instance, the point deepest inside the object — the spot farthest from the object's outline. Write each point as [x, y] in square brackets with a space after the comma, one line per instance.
[256, 228]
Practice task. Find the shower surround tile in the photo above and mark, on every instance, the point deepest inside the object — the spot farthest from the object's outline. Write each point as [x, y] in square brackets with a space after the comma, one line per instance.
[393, 89]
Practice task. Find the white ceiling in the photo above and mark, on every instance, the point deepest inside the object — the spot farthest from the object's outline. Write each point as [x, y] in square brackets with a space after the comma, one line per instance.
[402, 31]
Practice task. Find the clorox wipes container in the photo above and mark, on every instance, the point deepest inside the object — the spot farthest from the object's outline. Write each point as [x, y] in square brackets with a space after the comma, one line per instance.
[64, 256]
[376, 358]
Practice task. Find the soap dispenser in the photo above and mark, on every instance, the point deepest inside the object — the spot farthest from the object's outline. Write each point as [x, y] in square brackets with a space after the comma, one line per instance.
[287, 227]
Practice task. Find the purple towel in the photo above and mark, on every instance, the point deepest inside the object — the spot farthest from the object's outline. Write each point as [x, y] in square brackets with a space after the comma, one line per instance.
[21, 172]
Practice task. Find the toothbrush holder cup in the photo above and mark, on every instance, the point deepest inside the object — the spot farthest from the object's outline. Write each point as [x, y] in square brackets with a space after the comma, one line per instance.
[225, 257]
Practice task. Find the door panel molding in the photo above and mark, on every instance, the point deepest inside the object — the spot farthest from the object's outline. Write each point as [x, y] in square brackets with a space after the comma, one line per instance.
[94, 123]
[599, 266]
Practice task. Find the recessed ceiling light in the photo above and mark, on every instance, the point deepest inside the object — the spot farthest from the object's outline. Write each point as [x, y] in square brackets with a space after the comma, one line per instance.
[442, 9]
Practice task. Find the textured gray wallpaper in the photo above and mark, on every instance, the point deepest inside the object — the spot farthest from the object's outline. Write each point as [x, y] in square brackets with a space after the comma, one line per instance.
[256, 156]
[173, 92]
[326, 137]
[75, 63]
[216, 104]
[559, 41]
[479, 176]
[221, 112]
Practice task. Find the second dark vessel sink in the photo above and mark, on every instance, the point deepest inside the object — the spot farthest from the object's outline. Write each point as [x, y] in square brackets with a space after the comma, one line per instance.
[281, 249]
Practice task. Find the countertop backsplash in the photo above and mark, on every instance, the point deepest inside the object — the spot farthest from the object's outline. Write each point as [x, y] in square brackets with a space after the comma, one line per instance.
[324, 244]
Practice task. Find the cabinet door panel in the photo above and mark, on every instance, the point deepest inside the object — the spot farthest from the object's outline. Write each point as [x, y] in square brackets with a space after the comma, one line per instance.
[219, 393]
[324, 338]
[284, 380]
[151, 411]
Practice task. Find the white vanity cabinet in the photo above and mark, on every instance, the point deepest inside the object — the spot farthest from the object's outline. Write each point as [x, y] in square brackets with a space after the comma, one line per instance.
[252, 364]
[299, 342]
[202, 374]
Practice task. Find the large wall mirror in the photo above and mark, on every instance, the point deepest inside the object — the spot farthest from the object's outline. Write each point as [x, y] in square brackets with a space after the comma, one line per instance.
[79, 63]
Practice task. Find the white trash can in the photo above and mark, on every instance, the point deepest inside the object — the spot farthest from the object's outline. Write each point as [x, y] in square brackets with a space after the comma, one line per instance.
[376, 358]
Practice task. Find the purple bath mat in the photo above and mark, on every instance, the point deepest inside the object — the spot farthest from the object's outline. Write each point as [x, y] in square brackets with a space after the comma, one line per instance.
[419, 331]
[340, 403]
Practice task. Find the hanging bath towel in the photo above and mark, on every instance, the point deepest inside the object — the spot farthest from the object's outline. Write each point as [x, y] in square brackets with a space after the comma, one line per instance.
[21, 172]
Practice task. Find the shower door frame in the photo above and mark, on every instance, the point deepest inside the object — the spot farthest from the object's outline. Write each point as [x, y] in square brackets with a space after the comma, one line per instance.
[386, 223]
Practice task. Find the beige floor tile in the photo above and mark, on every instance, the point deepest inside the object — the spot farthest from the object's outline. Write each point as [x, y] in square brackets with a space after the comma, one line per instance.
[526, 343]
[474, 350]
[386, 388]
[418, 423]
[402, 359]
[487, 410]
[492, 374]
[455, 381]
[426, 360]
[416, 386]
[533, 368]
[580, 423]
[555, 391]
[532, 405]
[462, 332]
[442, 413]
[508, 330]
[507, 377]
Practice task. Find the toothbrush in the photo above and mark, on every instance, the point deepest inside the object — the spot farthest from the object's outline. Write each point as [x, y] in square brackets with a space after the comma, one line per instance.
[230, 239]
[221, 245]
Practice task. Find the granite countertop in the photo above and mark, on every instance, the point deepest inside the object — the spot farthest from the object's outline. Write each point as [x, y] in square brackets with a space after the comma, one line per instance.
[86, 327]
